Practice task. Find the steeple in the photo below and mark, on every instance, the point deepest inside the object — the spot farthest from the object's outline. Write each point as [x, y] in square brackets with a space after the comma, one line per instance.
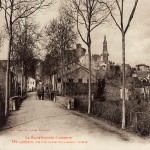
[105, 45]
[105, 52]
[105, 42]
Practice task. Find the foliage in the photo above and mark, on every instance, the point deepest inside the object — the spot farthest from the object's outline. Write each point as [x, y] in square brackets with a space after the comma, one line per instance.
[60, 37]
[112, 111]
[80, 103]
[50, 65]
[100, 93]
[144, 124]
[114, 71]
[25, 41]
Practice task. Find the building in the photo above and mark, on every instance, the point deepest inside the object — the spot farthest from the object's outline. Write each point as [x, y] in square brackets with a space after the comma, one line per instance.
[31, 84]
[76, 68]
[97, 61]
[136, 87]
[71, 56]
[142, 72]
[142, 67]
[127, 70]
[104, 55]
[76, 73]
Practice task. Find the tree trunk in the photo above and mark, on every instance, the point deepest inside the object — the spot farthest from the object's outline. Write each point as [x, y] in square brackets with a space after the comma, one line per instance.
[62, 73]
[7, 94]
[22, 79]
[89, 94]
[124, 84]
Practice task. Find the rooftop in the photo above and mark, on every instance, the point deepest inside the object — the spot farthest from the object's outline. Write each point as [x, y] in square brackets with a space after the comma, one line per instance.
[142, 65]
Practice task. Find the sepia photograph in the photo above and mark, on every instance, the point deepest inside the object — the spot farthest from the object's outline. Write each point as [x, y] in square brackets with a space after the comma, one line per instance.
[74, 75]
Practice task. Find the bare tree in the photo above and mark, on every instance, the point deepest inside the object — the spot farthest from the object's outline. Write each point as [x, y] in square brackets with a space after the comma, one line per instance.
[61, 37]
[13, 11]
[88, 15]
[123, 29]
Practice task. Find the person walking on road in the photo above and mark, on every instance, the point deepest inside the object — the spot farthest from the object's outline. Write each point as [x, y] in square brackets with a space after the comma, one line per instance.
[40, 90]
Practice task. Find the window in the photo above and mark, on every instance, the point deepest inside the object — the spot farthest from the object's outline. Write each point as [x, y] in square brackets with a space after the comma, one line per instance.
[87, 80]
[80, 80]
[70, 80]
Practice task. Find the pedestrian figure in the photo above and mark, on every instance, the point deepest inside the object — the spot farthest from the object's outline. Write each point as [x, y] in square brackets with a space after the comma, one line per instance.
[40, 90]
[43, 93]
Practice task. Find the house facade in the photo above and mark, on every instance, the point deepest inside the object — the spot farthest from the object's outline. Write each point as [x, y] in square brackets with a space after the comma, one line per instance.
[142, 67]
[31, 84]
[142, 72]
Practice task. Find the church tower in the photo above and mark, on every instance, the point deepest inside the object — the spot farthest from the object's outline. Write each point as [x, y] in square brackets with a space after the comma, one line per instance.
[105, 52]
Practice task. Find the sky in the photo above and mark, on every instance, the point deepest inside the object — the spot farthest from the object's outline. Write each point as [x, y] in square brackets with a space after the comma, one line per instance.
[137, 37]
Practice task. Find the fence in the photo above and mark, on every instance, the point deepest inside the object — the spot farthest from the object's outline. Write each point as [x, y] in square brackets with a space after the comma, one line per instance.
[140, 122]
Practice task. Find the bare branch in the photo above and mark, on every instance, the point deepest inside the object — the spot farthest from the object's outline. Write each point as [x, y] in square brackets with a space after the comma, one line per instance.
[80, 12]
[109, 8]
[101, 21]
[131, 16]
[31, 9]
[120, 11]
[79, 30]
